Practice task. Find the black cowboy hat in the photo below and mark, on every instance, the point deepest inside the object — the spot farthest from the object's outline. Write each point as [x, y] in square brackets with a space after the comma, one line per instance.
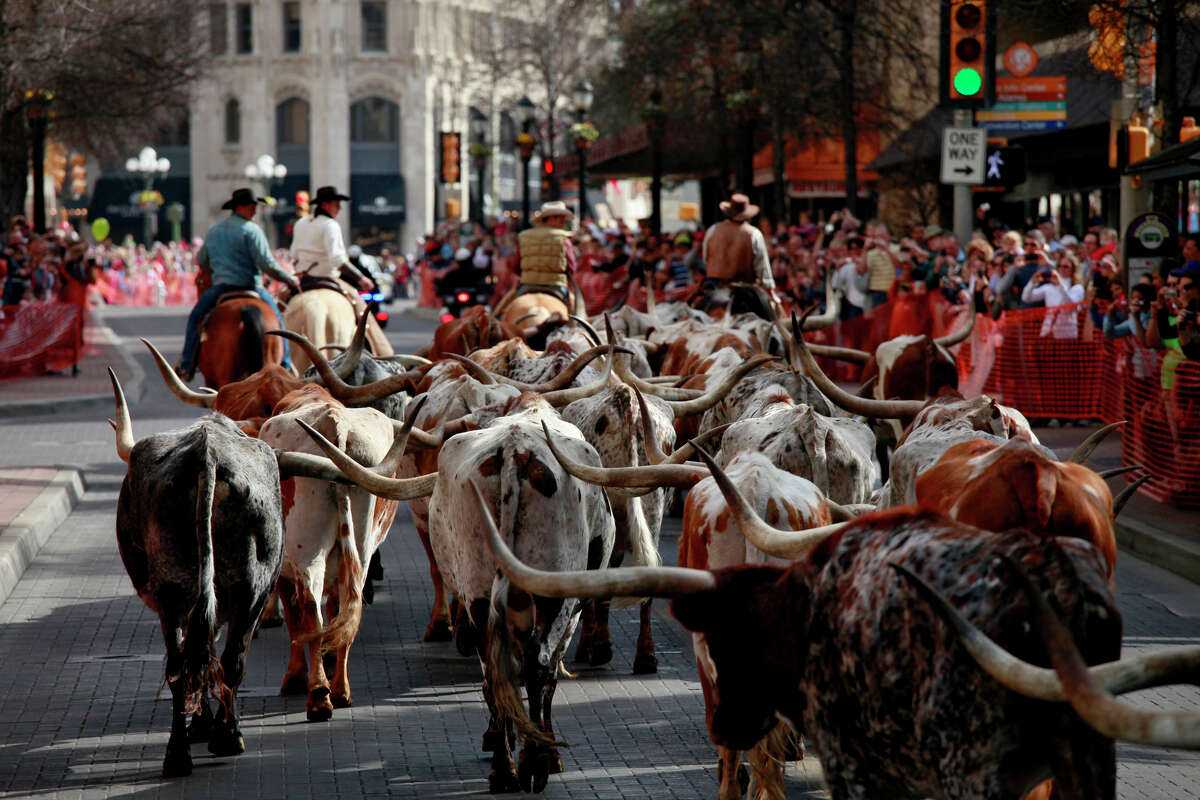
[325, 194]
[242, 197]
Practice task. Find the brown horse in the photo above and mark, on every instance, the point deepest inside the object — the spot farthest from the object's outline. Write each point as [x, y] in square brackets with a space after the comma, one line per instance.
[233, 343]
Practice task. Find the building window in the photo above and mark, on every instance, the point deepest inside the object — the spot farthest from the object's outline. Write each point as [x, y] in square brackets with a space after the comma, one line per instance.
[218, 28]
[374, 27]
[374, 120]
[291, 27]
[233, 121]
[245, 28]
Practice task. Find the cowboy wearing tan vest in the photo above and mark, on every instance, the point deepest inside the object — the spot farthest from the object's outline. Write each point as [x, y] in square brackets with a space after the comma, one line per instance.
[734, 250]
[546, 253]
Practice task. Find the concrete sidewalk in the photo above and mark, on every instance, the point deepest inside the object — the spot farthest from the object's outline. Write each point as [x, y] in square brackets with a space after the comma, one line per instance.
[33, 503]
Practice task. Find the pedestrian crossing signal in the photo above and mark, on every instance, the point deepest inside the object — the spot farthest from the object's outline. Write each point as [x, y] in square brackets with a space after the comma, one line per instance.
[968, 53]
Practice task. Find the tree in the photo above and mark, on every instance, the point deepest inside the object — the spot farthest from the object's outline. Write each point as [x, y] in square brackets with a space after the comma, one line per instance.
[116, 73]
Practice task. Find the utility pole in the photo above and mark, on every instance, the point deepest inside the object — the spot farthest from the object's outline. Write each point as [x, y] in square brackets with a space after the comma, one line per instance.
[964, 214]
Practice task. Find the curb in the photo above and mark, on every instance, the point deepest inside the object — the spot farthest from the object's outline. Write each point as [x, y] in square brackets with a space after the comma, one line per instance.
[1172, 553]
[21, 540]
[133, 385]
[420, 312]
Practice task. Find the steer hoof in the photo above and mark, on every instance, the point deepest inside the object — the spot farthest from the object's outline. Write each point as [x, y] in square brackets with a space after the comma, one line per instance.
[294, 684]
[438, 630]
[645, 665]
[743, 778]
[601, 654]
[342, 701]
[503, 782]
[320, 709]
[177, 764]
[556, 765]
[227, 743]
[200, 728]
[534, 768]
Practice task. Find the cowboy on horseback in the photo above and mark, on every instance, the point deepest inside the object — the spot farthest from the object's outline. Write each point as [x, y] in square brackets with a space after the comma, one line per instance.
[317, 245]
[546, 253]
[237, 253]
[735, 257]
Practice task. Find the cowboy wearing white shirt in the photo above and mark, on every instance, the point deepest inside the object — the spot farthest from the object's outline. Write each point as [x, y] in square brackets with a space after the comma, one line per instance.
[317, 245]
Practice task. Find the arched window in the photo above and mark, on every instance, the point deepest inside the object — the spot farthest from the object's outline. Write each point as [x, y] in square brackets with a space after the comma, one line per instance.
[233, 121]
[374, 136]
[292, 135]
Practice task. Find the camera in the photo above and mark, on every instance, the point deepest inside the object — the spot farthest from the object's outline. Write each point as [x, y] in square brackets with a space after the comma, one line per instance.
[1045, 274]
[1170, 292]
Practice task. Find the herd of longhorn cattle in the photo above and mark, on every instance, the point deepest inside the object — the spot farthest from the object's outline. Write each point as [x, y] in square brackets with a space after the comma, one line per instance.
[901, 579]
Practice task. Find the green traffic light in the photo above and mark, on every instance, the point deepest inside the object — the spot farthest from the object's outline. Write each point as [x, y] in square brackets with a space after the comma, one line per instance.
[967, 82]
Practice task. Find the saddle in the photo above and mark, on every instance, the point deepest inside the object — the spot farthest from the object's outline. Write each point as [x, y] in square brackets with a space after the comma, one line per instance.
[733, 296]
[310, 282]
[232, 294]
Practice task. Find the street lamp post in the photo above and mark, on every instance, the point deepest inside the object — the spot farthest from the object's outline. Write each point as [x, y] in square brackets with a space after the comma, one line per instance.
[149, 166]
[525, 143]
[583, 96]
[38, 101]
[656, 124]
[270, 172]
[479, 153]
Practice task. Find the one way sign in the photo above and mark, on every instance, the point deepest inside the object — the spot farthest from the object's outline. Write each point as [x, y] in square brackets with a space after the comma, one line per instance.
[963, 153]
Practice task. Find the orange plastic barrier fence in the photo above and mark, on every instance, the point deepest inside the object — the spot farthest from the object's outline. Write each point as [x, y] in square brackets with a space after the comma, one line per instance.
[38, 337]
[1056, 363]
[147, 289]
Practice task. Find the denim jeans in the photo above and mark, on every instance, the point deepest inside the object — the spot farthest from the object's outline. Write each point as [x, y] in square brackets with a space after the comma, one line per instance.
[204, 304]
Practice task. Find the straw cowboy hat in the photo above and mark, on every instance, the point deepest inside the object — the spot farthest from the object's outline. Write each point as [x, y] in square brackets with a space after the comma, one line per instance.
[738, 208]
[242, 197]
[552, 209]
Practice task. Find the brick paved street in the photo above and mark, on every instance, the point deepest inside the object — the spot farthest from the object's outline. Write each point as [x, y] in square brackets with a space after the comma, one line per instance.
[86, 711]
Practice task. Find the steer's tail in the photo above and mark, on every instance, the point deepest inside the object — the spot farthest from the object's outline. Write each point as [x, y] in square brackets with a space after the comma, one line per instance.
[342, 629]
[200, 665]
[251, 342]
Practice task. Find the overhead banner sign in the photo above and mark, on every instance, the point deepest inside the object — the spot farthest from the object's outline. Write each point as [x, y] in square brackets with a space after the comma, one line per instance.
[1027, 104]
[963, 155]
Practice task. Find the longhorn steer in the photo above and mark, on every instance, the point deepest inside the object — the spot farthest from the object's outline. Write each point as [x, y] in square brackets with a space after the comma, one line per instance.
[200, 534]
[551, 520]
[712, 539]
[475, 329]
[330, 532]
[840, 645]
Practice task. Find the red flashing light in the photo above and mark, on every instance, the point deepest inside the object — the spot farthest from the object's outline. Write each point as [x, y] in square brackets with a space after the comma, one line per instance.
[447, 318]
[548, 166]
[382, 316]
[463, 297]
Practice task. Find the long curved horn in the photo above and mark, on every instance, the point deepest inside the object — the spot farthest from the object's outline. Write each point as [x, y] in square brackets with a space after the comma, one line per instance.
[123, 426]
[391, 461]
[651, 302]
[951, 339]
[178, 387]
[355, 350]
[1173, 665]
[475, 370]
[562, 397]
[332, 348]
[350, 395]
[848, 512]
[653, 453]
[661, 476]
[306, 465]
[1115, 471]
[560, 381]
[1089, 445]
[587, 328]
[406, 360]
[580, 307]
[623, 582]
[1092, 701]
[782, 544]
[627, 376]
[698, 405]
[369, 479]
[833, 307]
[1126, 494]
[894, 409]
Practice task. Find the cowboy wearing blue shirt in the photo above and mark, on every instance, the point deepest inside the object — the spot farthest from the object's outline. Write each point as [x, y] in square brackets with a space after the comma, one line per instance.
[237, 252]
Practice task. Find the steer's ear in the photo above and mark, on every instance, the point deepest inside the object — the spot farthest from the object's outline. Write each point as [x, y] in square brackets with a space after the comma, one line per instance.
[742, 594]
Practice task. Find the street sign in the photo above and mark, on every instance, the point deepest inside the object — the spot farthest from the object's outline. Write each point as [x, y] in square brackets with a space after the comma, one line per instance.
[1021, 90]
[1148, 241]
[1005, 166]
[963, 155]
[1027, 104]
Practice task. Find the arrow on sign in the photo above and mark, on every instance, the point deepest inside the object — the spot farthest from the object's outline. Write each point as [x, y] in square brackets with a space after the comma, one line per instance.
[964, 170]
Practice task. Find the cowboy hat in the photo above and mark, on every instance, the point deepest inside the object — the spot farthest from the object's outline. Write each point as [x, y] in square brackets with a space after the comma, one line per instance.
[552, 209]
[738, 208]
[326, 194]
[242, 197]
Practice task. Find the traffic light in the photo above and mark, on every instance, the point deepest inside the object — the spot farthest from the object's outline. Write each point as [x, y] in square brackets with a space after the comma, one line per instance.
[547, 179]
[451, 147]
[79, 184]
[1129, 144]
[968, 53]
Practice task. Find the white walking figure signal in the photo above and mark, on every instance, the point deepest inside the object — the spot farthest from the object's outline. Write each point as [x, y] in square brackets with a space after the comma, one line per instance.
[995, 162]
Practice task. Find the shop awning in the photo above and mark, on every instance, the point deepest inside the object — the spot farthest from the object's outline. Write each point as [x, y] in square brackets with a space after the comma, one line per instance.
[1177, 162]
[819, 161]
[377, 201]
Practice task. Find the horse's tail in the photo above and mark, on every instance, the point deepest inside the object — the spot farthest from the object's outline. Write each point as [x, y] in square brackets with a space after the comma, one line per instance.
[250, 343]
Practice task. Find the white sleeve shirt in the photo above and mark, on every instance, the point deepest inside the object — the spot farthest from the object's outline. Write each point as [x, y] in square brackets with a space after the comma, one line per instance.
[317, 247]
